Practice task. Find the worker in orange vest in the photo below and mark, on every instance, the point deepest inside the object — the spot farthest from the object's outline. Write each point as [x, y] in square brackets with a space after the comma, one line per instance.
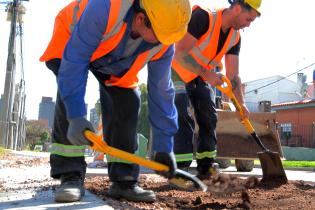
[115, 39]
[211, 35]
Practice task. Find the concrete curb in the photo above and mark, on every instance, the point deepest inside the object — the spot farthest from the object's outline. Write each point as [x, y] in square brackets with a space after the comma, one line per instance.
[44, 200]
[293, 168]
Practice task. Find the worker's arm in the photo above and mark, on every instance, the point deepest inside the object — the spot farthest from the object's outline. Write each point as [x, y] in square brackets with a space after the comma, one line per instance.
[73, 72]
[183, 58]
[232, 73]
[162, 111]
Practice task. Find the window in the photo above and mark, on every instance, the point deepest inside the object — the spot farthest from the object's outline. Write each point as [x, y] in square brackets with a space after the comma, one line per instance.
[286, 130]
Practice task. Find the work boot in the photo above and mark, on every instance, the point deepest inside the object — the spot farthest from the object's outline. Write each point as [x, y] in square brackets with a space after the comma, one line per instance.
[131, 192]
[207, 168]
[71, 188]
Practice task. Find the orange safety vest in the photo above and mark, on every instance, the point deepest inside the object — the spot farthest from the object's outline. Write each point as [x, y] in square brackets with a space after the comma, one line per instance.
[115, 30]
[205, 50]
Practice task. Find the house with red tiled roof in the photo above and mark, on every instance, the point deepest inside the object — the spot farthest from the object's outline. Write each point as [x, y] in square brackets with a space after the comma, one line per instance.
[296, 122]
[293, 102]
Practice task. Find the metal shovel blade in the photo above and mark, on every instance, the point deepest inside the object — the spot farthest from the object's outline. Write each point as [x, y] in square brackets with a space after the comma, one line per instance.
[272, 167]
[187, 181]
[270, 161]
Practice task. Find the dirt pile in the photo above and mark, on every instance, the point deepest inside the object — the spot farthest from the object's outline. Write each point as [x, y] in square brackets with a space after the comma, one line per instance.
[9, 160]
[224, 191]
[237, 194]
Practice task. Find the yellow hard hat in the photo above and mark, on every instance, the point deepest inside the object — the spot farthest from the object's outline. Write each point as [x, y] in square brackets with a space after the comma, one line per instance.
[169, 18]
[255, 4]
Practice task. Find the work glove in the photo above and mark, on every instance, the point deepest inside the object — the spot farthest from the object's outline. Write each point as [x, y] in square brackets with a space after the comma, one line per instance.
[166, 159]
[76, 129]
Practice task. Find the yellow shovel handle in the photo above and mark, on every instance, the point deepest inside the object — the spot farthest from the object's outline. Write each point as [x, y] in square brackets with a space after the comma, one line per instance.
[100, 145]
[227, 90]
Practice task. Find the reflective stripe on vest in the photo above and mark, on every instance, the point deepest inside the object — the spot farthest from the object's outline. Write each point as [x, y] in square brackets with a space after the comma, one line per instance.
[203, 155]
[130, 78]
[67, 150]
[115, 29]
[184, 157]
[75, 15]
[114, 32]
[205, 50]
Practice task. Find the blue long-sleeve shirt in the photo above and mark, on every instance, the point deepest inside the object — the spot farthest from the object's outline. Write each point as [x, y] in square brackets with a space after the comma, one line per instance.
[73, 72]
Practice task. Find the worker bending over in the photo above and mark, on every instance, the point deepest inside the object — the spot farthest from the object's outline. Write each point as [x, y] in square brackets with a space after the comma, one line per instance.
[115, 39]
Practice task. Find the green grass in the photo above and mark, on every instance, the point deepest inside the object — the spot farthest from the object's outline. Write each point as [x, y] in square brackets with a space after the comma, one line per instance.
[290, 164]
[2, 151]
[293, 164]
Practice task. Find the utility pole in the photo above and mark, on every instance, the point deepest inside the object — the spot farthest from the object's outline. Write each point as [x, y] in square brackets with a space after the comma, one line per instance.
[8, 95]
[7, 131]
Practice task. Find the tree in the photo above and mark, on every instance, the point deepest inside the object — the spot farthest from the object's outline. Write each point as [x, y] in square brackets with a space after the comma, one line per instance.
[37, 132]
[44, 137]
[143, 122]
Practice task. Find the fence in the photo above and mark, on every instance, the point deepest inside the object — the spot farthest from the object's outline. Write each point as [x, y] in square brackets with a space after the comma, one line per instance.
[300, 135]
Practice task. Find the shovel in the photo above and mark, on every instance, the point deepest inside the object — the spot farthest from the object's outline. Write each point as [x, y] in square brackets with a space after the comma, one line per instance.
[270, 161]
[181, 179]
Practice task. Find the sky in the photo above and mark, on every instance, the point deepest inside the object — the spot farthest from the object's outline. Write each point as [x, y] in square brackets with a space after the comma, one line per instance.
[279, 42]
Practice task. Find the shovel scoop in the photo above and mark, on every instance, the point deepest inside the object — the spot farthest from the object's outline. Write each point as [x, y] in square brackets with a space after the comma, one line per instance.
[271, 164]
[181, 179]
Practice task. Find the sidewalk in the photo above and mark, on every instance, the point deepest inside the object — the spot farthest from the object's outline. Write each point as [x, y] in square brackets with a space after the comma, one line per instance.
[44, 200]
[33, 189]
[39, 197]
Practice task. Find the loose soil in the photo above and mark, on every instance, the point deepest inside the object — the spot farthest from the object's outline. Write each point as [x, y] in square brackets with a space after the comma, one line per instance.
[225, 191]
[237, 194]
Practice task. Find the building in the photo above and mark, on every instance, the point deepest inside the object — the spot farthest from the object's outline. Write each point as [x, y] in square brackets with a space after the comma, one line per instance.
[87, 108]
[94, 118]
[296, 122]
[1, 106]
[311, 88]
[95, 114]
[276, 89]
[47, 110]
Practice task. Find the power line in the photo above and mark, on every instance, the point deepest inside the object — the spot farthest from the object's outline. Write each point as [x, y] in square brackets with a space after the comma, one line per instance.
[280, 79]
[253, 83]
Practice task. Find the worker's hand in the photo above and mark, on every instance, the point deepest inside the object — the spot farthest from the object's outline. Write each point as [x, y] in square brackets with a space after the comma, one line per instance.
[76, 129]
[245, 112]
[166, 159]
[213, 78]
